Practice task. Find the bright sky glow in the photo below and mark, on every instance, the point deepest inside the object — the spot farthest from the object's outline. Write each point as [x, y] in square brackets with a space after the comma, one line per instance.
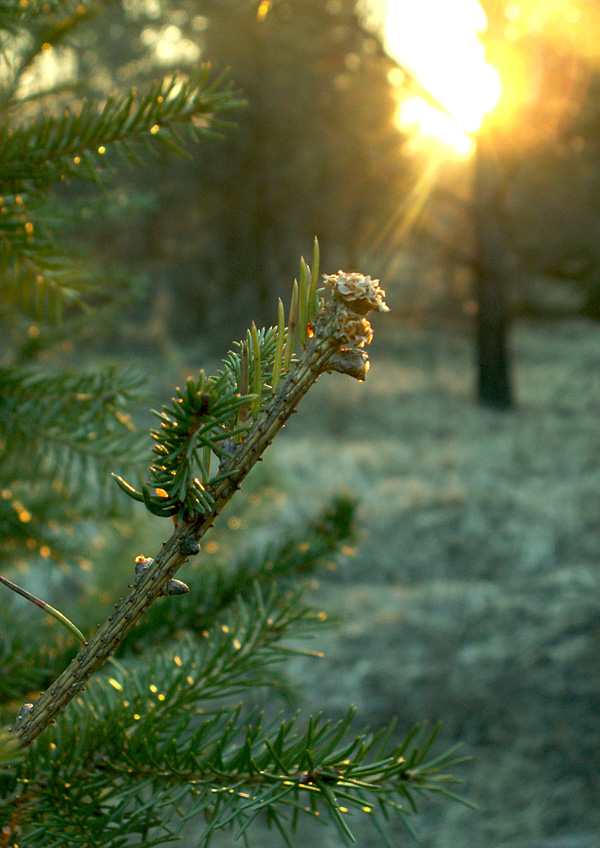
[433, 123]
[437, 40]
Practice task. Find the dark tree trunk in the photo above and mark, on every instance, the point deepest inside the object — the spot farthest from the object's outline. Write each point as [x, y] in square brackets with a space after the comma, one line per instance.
[492, 279]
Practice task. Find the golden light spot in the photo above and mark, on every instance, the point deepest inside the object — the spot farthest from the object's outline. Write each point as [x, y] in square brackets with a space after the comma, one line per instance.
[125, 703]
[161, 493]
[303, 547]
[45, 551]
[46, 47]
[348, 551]
[190, 679]
[6, 494]
[263, 10]
[160, 98]
[19, 200]
[237, 644]
[177, 661]
[136, 716]
[343, 809]
[211, 547]
[53, 746]
[125, 420]
[154, 129]
[102, 149]
[24, 516]
[161, 697]
[322, 616]
[76, 160]
[115, 684]
[153, 688]
[29, 228]
[234, 523]
[33, 332]
[224, 628]
[366, 809]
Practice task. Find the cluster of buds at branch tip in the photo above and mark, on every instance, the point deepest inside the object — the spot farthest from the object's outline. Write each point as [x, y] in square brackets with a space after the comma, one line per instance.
[354, 295]
[360, 293]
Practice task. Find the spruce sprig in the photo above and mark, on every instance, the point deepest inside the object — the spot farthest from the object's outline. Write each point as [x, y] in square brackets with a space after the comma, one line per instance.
[211, 416]
[336, 336]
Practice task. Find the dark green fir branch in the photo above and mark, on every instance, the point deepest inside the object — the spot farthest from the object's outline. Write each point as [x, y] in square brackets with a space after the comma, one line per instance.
[69, 428]
[152, 731]
[81, 143]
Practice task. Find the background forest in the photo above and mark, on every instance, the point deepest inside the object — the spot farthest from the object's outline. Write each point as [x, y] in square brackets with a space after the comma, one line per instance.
[452, 531]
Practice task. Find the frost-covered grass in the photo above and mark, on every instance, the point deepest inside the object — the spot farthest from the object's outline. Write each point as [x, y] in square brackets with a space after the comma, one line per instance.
[474, 593]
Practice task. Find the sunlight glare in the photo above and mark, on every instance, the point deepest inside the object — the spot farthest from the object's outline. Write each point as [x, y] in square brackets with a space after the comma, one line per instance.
[438, 42]
[433, 123]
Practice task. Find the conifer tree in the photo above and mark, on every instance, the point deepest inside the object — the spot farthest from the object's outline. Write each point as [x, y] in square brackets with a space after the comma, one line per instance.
[157, 745]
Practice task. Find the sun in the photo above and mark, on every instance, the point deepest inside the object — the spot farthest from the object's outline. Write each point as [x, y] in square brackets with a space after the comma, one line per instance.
[438, 42]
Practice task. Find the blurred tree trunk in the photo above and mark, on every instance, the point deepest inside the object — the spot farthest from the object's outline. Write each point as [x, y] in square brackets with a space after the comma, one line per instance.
[492, 278]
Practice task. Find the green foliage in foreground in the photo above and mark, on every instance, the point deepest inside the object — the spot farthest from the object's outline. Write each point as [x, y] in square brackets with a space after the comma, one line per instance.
[159, 746]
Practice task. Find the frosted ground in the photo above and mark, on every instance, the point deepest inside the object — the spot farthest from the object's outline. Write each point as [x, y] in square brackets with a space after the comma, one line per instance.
[474, 593]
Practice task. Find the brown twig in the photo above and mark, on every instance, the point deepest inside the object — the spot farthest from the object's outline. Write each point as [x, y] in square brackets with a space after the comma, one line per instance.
[339, 333]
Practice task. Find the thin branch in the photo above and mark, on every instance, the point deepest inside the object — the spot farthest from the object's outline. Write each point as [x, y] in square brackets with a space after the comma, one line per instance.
[68, 625]
[339, 332]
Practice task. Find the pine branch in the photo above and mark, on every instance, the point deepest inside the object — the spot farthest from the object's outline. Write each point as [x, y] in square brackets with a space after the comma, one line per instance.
[42, 282]
[66, 428]
[36, 274]
[37, 277]
[173, 111]
[137, 737]
[45, 24]
[299, 553]
[337, 331]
